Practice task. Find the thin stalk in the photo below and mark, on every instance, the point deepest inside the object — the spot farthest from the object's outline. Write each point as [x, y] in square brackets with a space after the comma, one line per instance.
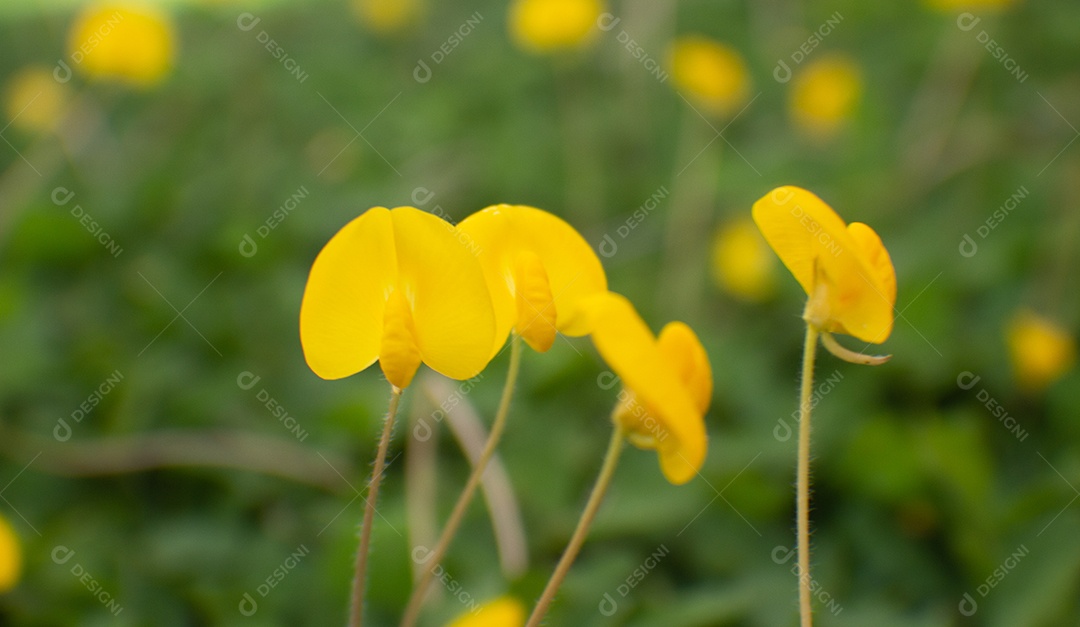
[803, 475]
[611, 459]
[416, 600]
[356, 611]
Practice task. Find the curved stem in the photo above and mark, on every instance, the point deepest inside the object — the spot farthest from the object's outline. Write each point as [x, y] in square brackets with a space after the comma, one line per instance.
[611, 459]
[803, 475]
[356, 610]
[416, 600]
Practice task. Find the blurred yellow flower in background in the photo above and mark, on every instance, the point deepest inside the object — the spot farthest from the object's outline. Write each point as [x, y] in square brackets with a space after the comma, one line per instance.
[126, 43]
[552, 25]
[667, 384]
[742, 263]
[1041, 350]
[396, 286]
[34, 101]
[10, 556]
[502, 612]
[387, 17]
[844, 268]
[711, 74]
[960, 5]
[825, 94]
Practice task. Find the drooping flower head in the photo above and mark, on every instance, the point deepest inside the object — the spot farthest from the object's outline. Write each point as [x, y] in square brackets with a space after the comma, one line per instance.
[742, 263]
[825, 94]
[844, 268]
[539, 270]
[501, 612]
[545, 26]
[1041, 350]
[711, 74]
[130, 43]
[10, 557]
[667, 384]
[397, 286]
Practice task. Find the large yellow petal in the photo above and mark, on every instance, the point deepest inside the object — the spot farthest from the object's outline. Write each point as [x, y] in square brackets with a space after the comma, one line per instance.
[572, 268]
[11, 558]
[843, 271]
[442, 279]
[341, 314]
[629, 347]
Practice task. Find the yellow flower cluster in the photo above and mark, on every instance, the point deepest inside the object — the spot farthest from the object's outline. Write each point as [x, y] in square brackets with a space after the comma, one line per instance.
[404, 287]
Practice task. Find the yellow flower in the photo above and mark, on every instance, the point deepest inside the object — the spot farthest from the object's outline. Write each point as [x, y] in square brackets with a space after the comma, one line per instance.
[551, 25]
[844, 269]
[397, 286]
[741, 262]
[667, 384]
[10, 557]
[35, 101]
[710, 73]
[1041, 350]
[502, 612]
[824, 95]
[387, 17]
[120, 42]
[960, 5]
[539, 271]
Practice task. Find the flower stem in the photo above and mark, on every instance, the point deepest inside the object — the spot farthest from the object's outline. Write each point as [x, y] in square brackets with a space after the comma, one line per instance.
[611, 459]
[356, 612]
[803, 475]
[416, 600]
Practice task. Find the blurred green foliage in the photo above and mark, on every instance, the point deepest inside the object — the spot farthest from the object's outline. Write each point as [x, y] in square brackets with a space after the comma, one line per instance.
[920, 492]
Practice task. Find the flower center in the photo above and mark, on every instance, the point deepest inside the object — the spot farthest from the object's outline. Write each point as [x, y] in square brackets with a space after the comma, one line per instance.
[399, 356]
[535, 304]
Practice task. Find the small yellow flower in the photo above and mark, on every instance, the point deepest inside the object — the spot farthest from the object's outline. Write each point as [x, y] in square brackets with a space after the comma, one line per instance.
[710, 73]
[35, 101]
[10, 556]
[550, 25]
[502, 612]
[122, 42]
[397, 286]
[961, 5]
[387, 17]
[844, 269]
[1041, 350]
[825, 94]
[667, 384]
[742, 263]
[539, 271]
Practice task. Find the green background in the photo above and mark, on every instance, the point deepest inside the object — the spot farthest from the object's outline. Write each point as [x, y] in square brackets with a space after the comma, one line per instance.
[920, 492]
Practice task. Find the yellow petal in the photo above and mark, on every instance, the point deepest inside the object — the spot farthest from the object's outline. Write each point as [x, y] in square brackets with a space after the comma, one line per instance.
[683, 350]
[573, 270]
[10, 557]
[502, 612]
[844, 273]
[1041, 350]
[443, 281]
[341, 314]
[627, 345]
[536, 313]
